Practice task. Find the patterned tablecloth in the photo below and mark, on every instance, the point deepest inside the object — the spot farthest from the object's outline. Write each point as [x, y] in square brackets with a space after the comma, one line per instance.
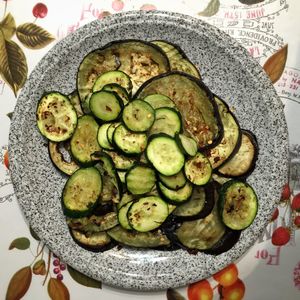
[269, 29]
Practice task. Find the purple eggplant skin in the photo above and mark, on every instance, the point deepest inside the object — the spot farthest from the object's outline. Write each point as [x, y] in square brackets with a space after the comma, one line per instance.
[249, 171]
[208, 207]
[217, 139]
[228, 240]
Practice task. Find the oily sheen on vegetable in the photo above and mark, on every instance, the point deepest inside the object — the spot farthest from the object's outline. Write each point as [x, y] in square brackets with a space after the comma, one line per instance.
[154, 159]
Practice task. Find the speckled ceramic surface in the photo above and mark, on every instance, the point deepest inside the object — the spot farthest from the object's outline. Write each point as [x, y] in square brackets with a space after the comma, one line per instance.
[225, 67]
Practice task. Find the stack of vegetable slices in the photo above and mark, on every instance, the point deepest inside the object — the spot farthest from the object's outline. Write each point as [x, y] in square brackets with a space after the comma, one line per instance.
[154, 159]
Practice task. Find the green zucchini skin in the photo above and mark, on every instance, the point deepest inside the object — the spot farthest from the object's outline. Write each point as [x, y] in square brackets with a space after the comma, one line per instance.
[47, 111]
[237, 204]
[169, 83]
[75, 190]
[81, 147]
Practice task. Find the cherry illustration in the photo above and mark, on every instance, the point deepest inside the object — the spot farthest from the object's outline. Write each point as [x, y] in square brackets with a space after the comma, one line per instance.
[40, 10]
[200, 290]
[286, 192]
[296, 203]
[281, 236]
[227, 276]
[275, 214]
[117, 5]
[297, 221]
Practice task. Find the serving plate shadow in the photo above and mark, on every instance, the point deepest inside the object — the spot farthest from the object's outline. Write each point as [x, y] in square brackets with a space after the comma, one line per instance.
[226, 68]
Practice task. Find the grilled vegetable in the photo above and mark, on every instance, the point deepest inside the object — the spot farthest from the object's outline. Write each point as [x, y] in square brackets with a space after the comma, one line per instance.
[195, 103]
[243, 161]
[159, 100]
[147, 213]
[81, 192]
[176, 196]
[237, 204]
[164, 154]
[67, 167]
[84, 140]
[56, 117]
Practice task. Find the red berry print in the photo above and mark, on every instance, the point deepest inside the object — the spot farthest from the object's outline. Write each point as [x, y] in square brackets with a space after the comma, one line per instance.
[275, 214]
[56, 262]
[5, 159]
[117, 5]
[286, 192]
[40, 10]
[56, 270]
[62, 267]
[281, 236]
[296, 203]
[148, 7]
[297, 221]
[297, 276]
[60, 277]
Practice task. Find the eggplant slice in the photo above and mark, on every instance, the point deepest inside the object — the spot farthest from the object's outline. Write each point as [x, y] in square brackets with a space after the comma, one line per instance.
[231, 140]
[138, 59]
[194, 101]
[243, 162]
[177, 58]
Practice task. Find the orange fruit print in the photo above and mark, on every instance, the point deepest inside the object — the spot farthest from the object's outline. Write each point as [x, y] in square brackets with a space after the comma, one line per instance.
[227, 276]
[200, 290]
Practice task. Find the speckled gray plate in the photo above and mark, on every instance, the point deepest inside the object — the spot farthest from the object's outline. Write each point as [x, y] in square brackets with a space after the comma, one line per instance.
[226, 68]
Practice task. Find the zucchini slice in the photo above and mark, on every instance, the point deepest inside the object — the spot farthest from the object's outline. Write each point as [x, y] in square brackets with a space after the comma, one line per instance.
[129, 142]
[164, 154]
[198, 169]
[173, 182]
[231, 140]
[81, 192]
[112, 187]
[201, 234]
[198, 206]
[94, 223]
[122, 93]
[243, 161]
[131, 238]
[84, 140]
[121, 162]
[106, 106]
[102, 137]
[138, 116]
[195, 103]
[147, 213]
[176, 196]
[111, 130]
[56, 117]
[122, 216]
[140, 179]
[158, 101]
[96, 242]
[187, 145]
[117, 77]
[238, 204]
[67, 167]
[177, 58]
[126, 197]
[138, 59]
[167, 120]
[122, 175]
[75, 100]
